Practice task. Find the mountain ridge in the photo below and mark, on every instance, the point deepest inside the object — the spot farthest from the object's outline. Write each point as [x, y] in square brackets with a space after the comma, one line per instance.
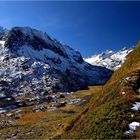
[109, 59]
[31, 56]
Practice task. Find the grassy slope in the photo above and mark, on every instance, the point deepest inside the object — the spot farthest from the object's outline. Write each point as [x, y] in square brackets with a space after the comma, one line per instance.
[43, 124]
[108, 113]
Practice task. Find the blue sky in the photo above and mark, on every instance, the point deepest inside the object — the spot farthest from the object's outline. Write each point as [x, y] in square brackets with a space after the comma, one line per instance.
[89, 27]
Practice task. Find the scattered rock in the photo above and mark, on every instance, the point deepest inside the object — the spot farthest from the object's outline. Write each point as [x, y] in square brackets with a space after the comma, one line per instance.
[6, 123]
[61, 104]
[74, 101]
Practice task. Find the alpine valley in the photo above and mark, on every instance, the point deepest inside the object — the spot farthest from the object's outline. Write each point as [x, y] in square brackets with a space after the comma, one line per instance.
[47, 89]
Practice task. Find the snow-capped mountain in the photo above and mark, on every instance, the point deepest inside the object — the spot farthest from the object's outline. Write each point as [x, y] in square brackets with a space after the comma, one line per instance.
[33, 62]
[3, 32]
[110, 59]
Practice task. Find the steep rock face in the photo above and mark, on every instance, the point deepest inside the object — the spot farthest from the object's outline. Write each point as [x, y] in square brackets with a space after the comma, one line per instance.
[110, 59]
[33, 62]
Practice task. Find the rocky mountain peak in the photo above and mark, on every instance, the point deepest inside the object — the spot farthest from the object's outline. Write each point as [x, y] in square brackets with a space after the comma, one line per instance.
[21, 38]
[110, 59]
[32, 62]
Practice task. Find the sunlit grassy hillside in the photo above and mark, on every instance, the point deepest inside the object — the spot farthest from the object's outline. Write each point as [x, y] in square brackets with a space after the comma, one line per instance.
[109, 112]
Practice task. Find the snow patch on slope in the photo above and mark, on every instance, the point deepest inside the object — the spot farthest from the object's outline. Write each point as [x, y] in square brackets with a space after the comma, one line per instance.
[132, 127]
[136, 106]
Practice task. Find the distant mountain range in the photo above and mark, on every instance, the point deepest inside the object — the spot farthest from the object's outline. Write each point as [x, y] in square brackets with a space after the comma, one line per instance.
[110, 59]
